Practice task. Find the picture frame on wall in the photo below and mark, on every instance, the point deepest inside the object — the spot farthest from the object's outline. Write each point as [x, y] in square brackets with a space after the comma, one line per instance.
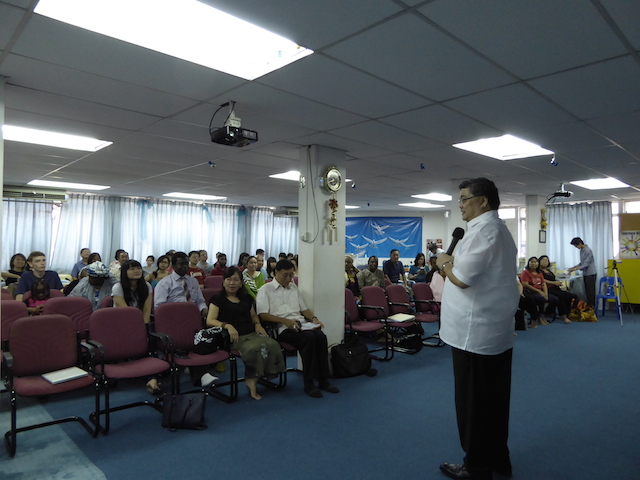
[542, 236]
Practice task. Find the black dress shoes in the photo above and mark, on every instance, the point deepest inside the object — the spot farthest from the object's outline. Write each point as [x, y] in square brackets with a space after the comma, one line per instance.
[460, 472]
[326, 385]
[312, 391]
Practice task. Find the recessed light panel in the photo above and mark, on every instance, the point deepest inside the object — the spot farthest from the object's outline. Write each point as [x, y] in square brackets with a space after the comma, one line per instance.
[600, 183]
[436, 197]
[53, 139]
[185, 29]
[421, 205]
[290, 175]
[506, 147]
[192, 196]
[73, 186]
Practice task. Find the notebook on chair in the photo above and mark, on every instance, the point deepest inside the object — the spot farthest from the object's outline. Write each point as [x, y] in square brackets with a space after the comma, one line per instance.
[64, 375]
[401, 317]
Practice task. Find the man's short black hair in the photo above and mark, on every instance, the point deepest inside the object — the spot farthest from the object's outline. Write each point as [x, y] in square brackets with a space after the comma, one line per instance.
[483, 187]
[284, 264]
[394, 250]
[118, 252]
[259, 251]
[577, 241]
[193, 251]
[177, 256]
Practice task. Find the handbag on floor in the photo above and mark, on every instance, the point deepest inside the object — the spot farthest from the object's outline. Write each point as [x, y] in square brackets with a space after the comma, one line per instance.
[184, 411]
[350, 359]
[210, 340]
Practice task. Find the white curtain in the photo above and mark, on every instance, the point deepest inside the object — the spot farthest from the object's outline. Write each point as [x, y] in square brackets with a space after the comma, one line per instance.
[26, 227]
[141, 227]
[589, 221]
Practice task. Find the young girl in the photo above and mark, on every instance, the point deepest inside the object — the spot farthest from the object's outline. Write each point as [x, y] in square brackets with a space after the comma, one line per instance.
[271, 267]
[161, 272]
[39, 295]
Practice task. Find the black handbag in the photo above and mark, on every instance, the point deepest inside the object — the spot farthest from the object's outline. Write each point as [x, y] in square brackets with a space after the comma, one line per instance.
[210, 340]
[185, 411]
[350, 359]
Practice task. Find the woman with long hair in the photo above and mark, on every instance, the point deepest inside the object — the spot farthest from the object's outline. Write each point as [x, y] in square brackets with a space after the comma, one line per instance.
[252, 277]
[271, 267]
[350, 276]
[232, 309]
[565, 299]
[418, 271]
[162, 271]
[535, 286]
[242, 261]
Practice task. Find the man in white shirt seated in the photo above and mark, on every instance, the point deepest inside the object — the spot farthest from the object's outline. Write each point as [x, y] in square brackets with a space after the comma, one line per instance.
[279, 302]
[179, 286]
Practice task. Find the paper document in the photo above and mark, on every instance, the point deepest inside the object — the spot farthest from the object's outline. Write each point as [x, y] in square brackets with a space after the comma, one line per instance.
[401, 317]
[309, 326]
[64, 375]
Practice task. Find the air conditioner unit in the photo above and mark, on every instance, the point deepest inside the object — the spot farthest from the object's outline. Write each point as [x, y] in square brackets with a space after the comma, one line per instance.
[9, 191]
[286, 212]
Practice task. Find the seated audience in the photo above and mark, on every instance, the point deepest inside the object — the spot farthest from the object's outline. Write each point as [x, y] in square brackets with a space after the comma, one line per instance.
[207, 267]
[418, 271]
[17, 266]
[194, 270]
[372, 276]
[527, 304]
[161, 272]
[150, 268]
[252, 277]
[565, 299]
[179, 286]
[242, 261]
[279, 302]
[260, 266]
[96, 286]
[132, 290]
[271, 268]
[394, 270]
[120, 257]
[351, 275]
[433, 250]
[437, 284]
[535, 286]
[294, 260]
[84, 261]
[40, 293]
[221, 266]
[282, 256]
[37, 263]
[233, 310]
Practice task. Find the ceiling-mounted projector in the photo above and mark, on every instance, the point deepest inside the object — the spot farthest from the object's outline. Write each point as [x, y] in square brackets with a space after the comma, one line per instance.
[231, 133]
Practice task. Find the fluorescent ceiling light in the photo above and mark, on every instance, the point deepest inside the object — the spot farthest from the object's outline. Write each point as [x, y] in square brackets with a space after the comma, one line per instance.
[421, 205]
[53, 139]
[437, 197]
[506, 147]
[192, 196]
[600, 183]
[290, 175]
[189, 30]
[350, 207]
[74, 186]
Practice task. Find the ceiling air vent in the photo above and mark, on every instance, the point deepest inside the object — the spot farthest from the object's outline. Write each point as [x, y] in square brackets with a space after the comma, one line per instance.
[34, 194]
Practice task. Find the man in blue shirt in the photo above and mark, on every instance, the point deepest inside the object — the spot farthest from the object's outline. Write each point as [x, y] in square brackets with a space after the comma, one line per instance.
[588, 267]
[394, 270]
[38, 263]
[84, 261]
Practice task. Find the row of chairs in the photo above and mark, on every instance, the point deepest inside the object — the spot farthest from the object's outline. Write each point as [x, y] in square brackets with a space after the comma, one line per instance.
[116, 346]
[372, 314]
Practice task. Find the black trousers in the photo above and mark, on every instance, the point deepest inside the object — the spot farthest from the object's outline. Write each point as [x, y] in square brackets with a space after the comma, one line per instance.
[590, 289]
[312, 345]
[483, 393]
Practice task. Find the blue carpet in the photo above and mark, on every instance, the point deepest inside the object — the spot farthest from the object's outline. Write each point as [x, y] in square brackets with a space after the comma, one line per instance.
[574, 416]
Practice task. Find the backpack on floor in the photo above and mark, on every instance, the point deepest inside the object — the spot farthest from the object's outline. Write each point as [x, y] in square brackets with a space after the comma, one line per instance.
[350, 359]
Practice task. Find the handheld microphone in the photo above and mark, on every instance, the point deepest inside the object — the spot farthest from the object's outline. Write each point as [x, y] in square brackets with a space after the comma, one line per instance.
[457, 234]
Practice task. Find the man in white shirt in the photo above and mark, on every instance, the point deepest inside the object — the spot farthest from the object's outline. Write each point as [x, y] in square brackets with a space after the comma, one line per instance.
[479, 301]
[280, 302]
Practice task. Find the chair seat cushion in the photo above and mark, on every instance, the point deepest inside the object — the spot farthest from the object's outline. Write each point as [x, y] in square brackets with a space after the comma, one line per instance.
[426, 317]
[195, 359]
[38, 386]
[364, 326]
[134, 368]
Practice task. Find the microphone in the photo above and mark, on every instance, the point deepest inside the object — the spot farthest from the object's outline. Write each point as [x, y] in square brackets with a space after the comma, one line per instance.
[457, 234]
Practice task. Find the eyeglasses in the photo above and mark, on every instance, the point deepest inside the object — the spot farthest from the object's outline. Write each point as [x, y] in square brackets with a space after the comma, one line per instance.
[462, 201]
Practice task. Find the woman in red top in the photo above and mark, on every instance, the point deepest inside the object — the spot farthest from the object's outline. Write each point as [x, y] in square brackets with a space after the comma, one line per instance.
[535, 286]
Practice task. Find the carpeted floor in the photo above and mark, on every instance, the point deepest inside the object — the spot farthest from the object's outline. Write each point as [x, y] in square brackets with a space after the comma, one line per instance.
[574, 416]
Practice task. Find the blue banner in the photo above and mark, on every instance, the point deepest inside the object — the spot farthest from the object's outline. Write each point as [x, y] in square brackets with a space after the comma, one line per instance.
[368, 236]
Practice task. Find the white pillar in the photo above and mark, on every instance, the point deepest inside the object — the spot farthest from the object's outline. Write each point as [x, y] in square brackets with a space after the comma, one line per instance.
[2, 83]
[321, 250]
[534, 204]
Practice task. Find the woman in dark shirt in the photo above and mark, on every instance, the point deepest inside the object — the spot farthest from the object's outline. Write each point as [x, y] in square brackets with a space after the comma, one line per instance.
[233, 310]
[566, 299]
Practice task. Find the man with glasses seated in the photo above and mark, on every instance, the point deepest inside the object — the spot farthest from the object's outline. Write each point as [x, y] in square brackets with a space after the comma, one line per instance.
[280, 302]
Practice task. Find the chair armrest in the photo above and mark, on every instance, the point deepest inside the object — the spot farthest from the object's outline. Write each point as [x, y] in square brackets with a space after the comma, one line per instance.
[378, 309]
[91, 350]
[7, 359]
[166, 341]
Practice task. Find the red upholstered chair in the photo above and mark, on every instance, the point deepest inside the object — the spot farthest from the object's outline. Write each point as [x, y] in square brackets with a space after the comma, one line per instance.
[354, 325]
[400, 303]
[107, 302]
[180, 321]
[6, 295]
[214, 281]
[39, 345]
[207, 293]
[429, 308]
[78, 309]
[123, 351]
[11, 311]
